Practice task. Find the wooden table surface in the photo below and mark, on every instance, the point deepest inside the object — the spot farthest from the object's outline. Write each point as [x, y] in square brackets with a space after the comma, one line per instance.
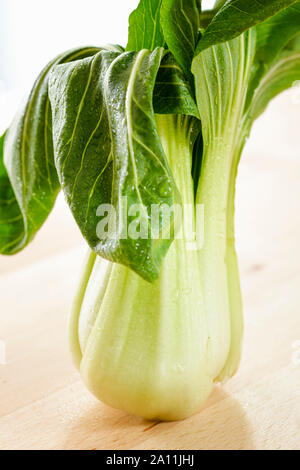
[43, 404]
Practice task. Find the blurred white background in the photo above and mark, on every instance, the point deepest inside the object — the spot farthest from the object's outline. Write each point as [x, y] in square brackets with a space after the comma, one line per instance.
[32, 32]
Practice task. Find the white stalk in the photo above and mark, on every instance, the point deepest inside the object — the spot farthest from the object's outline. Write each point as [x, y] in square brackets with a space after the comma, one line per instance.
[143, 347]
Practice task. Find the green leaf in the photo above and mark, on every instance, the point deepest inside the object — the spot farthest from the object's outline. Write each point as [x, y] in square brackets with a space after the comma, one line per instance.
[281, 76]
[144, 27]
[219, 3]
[273, 36]
[275, 33]
[11, 221]
[173, 93]
[236, 16]
[107, 149]
[294, 44]
[206, 17]
[29, 183]
[180, 20]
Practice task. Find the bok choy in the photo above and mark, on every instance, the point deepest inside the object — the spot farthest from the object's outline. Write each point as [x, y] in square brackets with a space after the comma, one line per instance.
[145, 142]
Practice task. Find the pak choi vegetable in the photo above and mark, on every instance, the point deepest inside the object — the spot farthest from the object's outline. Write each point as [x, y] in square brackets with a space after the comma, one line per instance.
[157, 318]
